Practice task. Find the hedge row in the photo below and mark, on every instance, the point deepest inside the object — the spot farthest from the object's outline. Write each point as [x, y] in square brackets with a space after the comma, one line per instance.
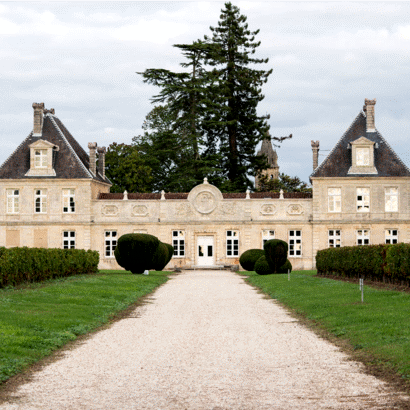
[384, 263]
[21, 265]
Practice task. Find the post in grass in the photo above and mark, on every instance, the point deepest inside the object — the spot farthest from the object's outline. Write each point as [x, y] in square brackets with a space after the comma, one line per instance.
[361, 286]
[288, 274]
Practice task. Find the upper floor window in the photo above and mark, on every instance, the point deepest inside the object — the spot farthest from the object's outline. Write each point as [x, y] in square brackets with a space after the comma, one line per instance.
[363, 199]
[68, 200]
[178, 242]
[40, 201]
[295, 243]
[13, 201]
[40, 158]
[391, 196]
[232, 243]
[267, 235]
[362, 156]
[334, 199]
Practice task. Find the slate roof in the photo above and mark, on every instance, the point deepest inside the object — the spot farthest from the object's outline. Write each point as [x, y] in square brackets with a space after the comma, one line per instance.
[339, 160]
[70, 161]
[229, 195]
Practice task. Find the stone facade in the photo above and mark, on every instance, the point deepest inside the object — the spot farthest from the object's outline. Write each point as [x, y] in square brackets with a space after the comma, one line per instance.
[73, 206]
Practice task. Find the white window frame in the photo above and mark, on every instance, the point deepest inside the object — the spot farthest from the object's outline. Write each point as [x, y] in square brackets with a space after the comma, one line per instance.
[295, 243]
[110, 242]
[232, 243]
[40, 158]
[13, 201]
[389, 201]
[363, 156]
[391, 236]
[334, 238]
[267, 235]
[40, 198]
[334, 196]
[68, 201]
[69, 240]
[363, 204]
[363, 235]
[178, 242]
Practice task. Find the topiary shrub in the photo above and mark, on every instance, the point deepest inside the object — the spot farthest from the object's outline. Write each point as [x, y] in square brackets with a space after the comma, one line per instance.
[135, 251]
[170, 252]
[262, 266]
[249, 258]
[284, 268]
[276, 252]
[160, 257]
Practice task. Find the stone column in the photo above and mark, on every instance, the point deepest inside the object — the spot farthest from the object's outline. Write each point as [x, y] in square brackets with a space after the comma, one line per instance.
[369, 108]
[93, 147]
[38, 119]
[315, 149]
[101, 161]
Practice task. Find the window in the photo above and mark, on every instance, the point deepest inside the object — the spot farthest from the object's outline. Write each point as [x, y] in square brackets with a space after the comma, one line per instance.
[362, 156]
[363, 237]
[13, 203]
[178, 242]
[267, 235]
[40, 201]
[69, 240]
[40, 158]
[391, 236]
[334, 238]
[110, 243]
[232, 243]
[391, 200]
[68, 200]
[363, 199]
[295, 243]
[334, 199]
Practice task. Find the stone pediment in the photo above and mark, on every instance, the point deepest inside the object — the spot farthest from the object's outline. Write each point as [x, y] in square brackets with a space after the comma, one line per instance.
[205, 198]
[43, 144]
[362, 141]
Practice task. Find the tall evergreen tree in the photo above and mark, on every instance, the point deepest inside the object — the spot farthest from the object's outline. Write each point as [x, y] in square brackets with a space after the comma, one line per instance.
[236, 124]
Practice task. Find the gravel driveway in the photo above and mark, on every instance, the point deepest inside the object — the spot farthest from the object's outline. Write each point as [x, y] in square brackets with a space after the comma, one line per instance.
[207, 341]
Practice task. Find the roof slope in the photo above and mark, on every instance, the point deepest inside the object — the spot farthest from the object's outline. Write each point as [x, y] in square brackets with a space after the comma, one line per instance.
[339, 160]
[70, 161]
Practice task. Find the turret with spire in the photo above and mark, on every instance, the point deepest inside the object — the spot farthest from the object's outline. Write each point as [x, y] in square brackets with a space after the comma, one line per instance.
[272, 158]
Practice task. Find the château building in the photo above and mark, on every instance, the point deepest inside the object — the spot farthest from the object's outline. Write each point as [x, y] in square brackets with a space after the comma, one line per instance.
[53, 194]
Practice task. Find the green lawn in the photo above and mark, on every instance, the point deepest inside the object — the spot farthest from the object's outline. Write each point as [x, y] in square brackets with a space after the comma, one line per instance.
[377, 330]
[39, 318]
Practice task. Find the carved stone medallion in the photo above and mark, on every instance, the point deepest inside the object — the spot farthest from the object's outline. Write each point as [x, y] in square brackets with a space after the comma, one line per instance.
[268, 209]
[205, 202]
[110, 210]
[295, 209]
[139, 210]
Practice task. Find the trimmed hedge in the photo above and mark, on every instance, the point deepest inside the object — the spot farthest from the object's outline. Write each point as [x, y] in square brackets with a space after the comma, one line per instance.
[22, 265]
[276, 252]
[286, 267]
[387, 263]
[249, 258]
[262, 266]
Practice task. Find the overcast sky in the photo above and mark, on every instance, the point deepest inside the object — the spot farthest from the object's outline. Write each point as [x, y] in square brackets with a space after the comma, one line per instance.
[81, 58]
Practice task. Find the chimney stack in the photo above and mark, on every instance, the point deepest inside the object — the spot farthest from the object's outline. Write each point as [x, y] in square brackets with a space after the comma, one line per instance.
[315, 149]
[38, 119]
[369, 109]
[93, 166]
[101, 161]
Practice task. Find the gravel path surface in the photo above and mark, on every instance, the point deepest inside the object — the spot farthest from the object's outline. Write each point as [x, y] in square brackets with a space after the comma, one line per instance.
[208, 341]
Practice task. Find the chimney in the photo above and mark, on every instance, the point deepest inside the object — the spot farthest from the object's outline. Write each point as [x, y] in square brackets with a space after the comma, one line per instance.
[38, 119]
[93, 147]
[369, 109]
[315, 149]
[101, 161]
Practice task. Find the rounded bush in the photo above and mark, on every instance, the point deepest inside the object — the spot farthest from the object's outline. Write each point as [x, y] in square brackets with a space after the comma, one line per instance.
[262, 266]
[170, 252]
[276, 252]
[284, 268]
[160, 258]
[135, 251]
[249, 258]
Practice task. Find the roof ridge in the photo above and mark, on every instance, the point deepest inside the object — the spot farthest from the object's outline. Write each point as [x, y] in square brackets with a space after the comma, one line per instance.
[8, 159]
[69, 145]
[340, 139]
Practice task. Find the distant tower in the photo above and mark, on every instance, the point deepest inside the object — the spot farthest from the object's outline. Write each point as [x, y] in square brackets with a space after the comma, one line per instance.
[272, 157]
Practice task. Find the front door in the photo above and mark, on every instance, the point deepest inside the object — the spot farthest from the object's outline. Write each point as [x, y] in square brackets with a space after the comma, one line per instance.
[205, 251]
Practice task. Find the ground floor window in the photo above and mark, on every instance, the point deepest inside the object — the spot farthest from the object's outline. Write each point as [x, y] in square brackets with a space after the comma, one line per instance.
[232, 243]
[392, 236]
[363, 237]
[267, 235]
[178, 242]
[335, 239]
[295, 243]
[110, 243]
[69, 240]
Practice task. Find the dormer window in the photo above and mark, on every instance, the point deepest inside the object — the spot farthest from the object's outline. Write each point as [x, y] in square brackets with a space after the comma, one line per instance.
[41, 159]
[362, 157]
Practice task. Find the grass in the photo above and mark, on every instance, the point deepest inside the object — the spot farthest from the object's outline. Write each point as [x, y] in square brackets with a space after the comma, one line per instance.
[37, 319]
[376, 332]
